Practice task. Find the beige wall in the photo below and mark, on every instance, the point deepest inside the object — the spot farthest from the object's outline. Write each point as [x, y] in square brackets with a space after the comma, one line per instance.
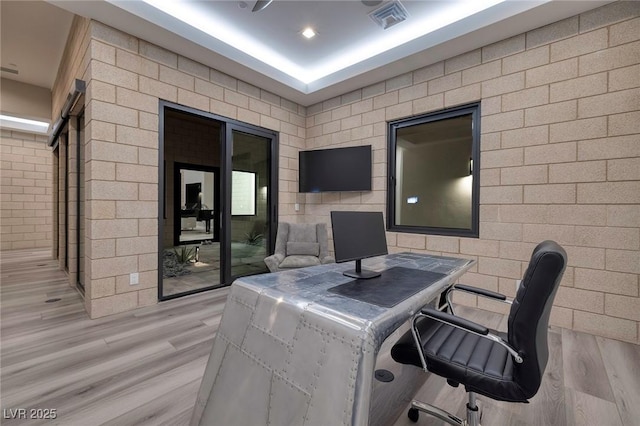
[560, 159]
[25, 100]
[559, 156]
[26, 211]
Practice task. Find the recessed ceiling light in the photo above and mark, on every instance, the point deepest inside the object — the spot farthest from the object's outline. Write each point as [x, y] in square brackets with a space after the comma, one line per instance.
[308, 32]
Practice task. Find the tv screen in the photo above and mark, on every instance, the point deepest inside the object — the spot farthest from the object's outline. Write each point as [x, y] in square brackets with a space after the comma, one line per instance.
[356, 236]
[337, 169]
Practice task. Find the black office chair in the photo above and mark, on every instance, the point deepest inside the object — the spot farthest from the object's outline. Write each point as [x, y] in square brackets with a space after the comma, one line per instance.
[503, 366]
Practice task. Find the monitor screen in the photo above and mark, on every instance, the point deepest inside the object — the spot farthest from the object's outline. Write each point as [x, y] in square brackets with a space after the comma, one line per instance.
[356, 236]
[337, 169]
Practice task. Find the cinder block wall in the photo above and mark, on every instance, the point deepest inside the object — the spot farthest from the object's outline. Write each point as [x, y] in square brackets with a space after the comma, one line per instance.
[560, 159]
[26, 208]
[126, 77]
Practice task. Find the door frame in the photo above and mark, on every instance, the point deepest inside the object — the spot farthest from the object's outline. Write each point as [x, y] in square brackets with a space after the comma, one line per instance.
[272, 194]
[226, 128]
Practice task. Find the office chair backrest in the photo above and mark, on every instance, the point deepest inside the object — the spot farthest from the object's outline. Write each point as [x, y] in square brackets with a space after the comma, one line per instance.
[529, 316]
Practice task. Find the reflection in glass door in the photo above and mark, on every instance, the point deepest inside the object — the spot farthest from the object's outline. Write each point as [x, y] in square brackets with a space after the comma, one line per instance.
[197, 212]
[190, 248]
[218, 197]
[250, 200]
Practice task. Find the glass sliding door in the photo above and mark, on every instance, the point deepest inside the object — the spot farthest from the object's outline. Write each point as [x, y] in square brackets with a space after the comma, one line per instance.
[217, 200]
[251, 209]
[190, 206]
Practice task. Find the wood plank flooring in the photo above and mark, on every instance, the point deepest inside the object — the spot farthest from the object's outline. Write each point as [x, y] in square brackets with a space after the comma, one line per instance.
[141, 367]
[145, 367]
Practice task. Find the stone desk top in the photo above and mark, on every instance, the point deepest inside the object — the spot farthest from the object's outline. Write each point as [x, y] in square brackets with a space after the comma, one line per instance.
[289, 352]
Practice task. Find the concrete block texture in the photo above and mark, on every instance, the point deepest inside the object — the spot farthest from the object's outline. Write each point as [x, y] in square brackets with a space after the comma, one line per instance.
[623, 215]
[552, 32]
[579, 45]
[20, 184]
[504, 48]
[624, 32]
[611, 58]
[610, 14]
[604, 325]
[607, 281]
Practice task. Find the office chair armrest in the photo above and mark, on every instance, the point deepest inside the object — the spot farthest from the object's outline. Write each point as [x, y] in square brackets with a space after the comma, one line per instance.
[460, 323]
[475, 291]
[480, 292]
[455, 321]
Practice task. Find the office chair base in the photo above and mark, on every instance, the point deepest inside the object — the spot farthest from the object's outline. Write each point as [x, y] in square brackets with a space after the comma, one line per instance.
[473, 413]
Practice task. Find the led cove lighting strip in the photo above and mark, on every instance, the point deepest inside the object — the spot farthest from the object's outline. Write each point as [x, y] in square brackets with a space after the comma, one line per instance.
[215, 26]
[36, 123]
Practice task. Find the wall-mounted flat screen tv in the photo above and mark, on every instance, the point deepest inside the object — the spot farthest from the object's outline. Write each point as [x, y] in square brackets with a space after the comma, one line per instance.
[337, 169]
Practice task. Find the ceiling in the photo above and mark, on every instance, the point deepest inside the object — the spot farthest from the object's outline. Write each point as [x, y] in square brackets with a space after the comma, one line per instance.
[266, 48]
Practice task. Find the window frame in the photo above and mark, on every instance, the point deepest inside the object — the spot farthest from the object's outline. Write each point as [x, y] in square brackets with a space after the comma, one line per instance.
[392, 127]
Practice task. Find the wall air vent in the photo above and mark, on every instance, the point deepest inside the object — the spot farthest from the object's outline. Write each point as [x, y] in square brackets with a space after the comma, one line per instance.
[389, 15]
[9, 70]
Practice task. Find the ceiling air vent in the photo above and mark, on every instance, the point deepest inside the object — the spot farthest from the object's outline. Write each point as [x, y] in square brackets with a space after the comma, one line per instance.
[389, 14]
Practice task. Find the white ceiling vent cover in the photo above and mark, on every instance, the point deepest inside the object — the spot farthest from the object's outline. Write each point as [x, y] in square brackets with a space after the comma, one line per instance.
[389, 14]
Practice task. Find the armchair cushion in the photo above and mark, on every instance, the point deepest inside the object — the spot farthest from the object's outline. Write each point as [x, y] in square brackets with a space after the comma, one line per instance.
[302, 248]
[303, 232]
[299, 261]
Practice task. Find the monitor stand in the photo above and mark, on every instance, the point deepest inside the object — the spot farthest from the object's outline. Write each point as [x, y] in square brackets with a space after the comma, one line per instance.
[361, 274]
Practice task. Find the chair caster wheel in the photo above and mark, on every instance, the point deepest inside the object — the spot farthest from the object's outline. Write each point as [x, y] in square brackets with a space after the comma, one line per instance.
[413, 414]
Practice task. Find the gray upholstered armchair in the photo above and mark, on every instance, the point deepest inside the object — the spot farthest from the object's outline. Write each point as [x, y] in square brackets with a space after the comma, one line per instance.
[299, 245]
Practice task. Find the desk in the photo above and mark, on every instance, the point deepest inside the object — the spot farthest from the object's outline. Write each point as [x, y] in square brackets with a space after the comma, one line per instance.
[290, 352]
[206, 216]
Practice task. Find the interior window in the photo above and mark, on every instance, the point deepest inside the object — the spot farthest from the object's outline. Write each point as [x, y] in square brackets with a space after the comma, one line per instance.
[433, 173]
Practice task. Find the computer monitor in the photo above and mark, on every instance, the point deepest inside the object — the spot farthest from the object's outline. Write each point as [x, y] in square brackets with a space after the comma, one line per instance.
[356, 236]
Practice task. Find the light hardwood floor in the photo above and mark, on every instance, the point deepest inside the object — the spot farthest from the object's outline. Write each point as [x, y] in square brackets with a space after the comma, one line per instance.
[145, 367]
